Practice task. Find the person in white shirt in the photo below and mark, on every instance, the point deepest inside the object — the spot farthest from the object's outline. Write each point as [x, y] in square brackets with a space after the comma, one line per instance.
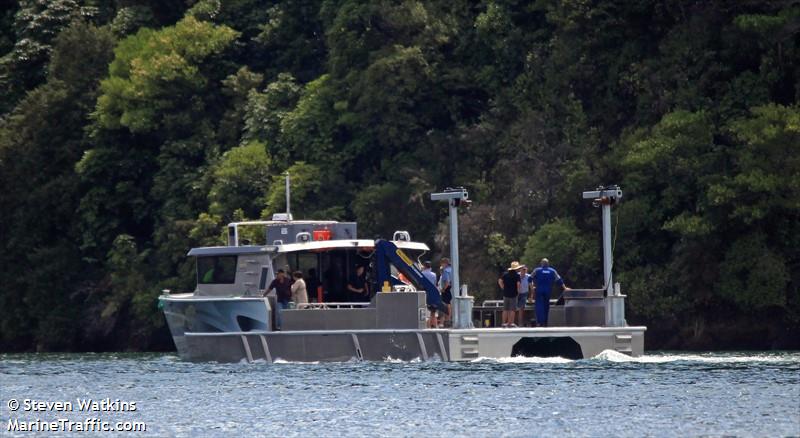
[524, 294]
[299, 293]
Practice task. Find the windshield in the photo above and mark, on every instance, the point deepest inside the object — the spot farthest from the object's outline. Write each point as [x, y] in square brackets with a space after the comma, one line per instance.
[216, 269]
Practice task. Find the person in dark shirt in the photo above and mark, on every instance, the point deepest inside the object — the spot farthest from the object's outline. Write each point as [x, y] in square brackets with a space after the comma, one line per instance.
[446, 288]
[283, 287]
[357, 286]
[510, 282]
[312, 282]
[283, 293]
[334, 283]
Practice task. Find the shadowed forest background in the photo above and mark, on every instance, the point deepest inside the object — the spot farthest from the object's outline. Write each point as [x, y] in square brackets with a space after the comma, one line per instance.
[131, 131]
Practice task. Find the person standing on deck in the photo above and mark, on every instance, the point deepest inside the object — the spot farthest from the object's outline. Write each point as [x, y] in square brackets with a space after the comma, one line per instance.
[510, 283]
[299, 292]
[312, 283]
[283, 293]
[431, 276]
[357, 286]
[543, 278]
[446, 285]
[524, 289]
[334, 282]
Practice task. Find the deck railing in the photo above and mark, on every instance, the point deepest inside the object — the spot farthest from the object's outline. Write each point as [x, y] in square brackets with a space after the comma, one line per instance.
[571, 294]
[323, 306]
[499, 303]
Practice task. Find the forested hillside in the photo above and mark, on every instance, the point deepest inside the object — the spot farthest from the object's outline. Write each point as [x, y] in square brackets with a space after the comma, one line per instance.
[131, 131]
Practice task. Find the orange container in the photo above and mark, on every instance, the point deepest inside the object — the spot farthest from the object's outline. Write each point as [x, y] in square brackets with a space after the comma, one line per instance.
[322, 234]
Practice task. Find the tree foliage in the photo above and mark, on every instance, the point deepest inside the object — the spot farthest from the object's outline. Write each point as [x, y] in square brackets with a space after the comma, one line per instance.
[156, 72]
[240, 181]
[131, 131]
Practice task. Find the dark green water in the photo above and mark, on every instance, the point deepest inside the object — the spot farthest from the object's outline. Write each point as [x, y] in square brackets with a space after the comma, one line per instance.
[661, 394]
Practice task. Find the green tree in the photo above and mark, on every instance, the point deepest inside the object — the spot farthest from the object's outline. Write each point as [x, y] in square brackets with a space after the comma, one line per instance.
[761, 199]
[240, 181]
[766, 183]
[371, 106]
[572, 252]
[309, 131]
[265, 112]
[313, 193]
[753, 276]
[237, 88]
[293, 36]
[37, 23]
[43, 274]
[155, 73]
[154, 132]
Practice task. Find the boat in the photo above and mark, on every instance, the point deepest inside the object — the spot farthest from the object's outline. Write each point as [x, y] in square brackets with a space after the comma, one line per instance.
[230, 317]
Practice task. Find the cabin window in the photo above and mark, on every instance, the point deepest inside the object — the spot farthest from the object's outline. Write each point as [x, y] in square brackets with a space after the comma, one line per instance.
[232, 237]
[216, 270]
[262, 283]
[303, 262]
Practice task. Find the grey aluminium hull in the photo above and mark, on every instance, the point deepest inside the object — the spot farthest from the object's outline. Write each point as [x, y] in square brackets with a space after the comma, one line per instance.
[236, 329]
[213, 315]
[425, 344]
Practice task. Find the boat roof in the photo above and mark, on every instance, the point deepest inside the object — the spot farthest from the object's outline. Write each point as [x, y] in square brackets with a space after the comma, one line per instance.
[229, 250]
[317, 245]
[338, 244]
[289, 222]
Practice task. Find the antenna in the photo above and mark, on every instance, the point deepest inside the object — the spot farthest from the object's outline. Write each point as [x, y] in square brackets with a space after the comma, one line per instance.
[288, 193]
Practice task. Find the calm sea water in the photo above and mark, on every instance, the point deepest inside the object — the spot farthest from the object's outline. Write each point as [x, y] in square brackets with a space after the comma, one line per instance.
[660, 394]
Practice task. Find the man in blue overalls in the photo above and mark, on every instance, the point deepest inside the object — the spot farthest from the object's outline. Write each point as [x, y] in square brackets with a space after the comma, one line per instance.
[543, 278]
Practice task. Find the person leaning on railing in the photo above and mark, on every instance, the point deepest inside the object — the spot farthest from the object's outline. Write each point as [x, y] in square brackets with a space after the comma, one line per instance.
[283, 293]
[431, 276]
[543, 278]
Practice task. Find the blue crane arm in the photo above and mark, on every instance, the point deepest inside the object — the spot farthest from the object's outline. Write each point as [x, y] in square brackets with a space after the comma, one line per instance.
[386, 254]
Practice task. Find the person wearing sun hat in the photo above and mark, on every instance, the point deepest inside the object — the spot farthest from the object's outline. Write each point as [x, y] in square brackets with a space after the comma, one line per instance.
[509, 282]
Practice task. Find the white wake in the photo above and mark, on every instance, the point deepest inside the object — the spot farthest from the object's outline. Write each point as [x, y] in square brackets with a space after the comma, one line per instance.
[615, 356]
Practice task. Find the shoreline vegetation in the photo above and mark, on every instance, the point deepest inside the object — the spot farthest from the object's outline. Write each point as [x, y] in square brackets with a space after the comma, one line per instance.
[133, 131]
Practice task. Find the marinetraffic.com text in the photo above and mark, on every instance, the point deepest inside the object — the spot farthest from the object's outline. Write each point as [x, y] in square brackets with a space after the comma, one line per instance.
[26, 407]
